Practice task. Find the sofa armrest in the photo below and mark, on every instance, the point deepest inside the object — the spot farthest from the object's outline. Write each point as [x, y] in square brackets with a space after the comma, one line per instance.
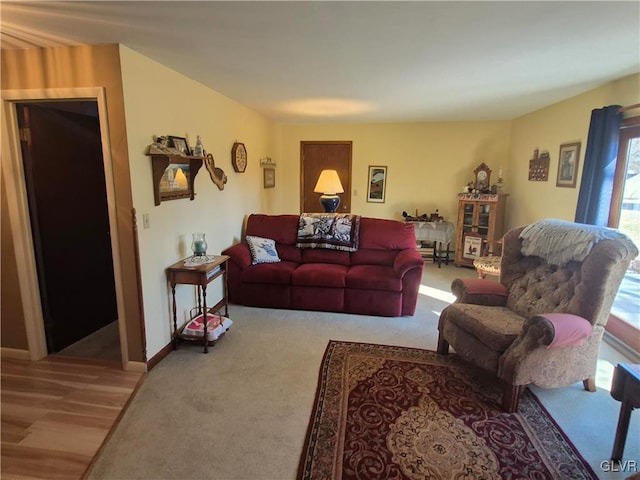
[406, 260]
[479, 291]
[240, 254]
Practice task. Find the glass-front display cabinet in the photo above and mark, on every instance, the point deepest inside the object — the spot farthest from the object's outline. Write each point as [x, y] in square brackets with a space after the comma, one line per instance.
[480, 225]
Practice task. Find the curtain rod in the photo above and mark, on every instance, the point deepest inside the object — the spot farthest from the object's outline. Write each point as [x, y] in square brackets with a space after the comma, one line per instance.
[630, 107]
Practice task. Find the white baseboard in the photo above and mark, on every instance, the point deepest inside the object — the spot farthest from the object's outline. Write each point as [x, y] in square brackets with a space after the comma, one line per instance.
[15, 353]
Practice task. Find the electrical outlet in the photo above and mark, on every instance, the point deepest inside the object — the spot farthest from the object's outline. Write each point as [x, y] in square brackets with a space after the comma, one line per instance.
[146, 223]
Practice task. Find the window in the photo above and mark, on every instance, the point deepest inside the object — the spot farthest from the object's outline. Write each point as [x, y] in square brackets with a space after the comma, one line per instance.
[624, 323]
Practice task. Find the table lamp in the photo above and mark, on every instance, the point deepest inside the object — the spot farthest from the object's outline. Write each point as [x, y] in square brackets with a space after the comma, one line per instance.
[329, 185]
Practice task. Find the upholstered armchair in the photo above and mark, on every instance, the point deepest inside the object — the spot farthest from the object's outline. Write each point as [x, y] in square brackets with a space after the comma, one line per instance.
[542, 323]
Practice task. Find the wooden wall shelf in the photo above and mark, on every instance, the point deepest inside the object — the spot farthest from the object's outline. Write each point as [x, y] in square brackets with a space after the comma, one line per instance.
[160, 163]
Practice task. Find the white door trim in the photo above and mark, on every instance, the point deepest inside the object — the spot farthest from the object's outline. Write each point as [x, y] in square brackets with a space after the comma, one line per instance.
[13, 171]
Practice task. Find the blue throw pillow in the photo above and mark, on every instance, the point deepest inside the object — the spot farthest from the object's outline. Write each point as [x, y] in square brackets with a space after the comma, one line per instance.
[263, 250]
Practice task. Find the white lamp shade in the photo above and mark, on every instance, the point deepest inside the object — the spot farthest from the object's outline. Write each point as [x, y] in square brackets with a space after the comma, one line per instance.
[328, 183]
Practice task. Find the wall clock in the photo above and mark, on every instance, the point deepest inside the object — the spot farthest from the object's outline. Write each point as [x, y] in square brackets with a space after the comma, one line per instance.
[239, 157]
[483, 177]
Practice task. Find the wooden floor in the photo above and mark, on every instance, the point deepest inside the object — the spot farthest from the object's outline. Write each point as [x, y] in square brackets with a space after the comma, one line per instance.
[57, 413]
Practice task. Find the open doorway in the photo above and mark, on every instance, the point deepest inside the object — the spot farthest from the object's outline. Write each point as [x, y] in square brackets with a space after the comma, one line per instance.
[66, 191]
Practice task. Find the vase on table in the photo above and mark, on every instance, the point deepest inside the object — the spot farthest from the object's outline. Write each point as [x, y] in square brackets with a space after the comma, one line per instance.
[199, 244]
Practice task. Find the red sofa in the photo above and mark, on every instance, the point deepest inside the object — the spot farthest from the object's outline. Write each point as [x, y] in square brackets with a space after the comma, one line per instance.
[381, 278]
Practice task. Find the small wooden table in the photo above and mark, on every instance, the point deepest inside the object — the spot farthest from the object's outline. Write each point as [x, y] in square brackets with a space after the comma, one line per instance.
[625, 387]
[200, 276]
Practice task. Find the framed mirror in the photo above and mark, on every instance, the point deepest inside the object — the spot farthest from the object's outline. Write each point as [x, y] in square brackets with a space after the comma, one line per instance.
[483, 177]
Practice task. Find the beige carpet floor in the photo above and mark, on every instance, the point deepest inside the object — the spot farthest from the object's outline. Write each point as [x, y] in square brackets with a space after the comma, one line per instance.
[241, 411]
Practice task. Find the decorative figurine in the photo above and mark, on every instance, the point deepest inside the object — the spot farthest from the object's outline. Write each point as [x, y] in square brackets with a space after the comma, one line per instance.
[198, 149]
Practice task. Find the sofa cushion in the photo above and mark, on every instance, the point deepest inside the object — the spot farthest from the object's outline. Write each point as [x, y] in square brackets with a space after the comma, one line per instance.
[281, 228]
[322, 255]
[386, 234]
[263, 250]
[373, 277]
[289, 253]
[279, 273]
[495, 327]
[370, 256]
[319, 275]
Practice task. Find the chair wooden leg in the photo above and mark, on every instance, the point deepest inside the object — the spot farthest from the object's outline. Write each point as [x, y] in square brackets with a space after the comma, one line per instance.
[511, 397]
[590, 384]
[443, 346]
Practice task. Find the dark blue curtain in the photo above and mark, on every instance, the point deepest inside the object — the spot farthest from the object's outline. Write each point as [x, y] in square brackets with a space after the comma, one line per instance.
[596, 187]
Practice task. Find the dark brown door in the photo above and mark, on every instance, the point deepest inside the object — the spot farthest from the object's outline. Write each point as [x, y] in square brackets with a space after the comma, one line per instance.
[65, 181]
[318, 156]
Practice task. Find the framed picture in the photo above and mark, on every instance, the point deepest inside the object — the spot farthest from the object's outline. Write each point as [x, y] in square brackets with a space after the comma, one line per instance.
[269, 177]
[377, 184]
[568, 165]
[179, 143]
[175, 179]
[472, 246]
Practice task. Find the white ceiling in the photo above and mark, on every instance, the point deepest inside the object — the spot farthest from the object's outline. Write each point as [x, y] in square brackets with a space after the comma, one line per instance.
[364, 61]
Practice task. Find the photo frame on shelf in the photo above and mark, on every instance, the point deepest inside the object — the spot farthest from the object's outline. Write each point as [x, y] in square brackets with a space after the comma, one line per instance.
[179, 143]
[568, 161]
[377, 184]
[472, 246]
[269, 177]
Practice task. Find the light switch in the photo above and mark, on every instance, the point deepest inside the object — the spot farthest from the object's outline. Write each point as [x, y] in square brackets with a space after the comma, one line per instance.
[146, 223]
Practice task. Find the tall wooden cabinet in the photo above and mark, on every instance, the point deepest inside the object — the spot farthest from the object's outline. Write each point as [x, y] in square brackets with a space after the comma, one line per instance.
[480, 225]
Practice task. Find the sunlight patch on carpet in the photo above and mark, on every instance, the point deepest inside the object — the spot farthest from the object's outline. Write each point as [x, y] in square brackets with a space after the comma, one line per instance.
[437, 294]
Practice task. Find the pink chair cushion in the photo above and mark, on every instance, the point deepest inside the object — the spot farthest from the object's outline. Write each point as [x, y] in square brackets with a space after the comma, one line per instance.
[570, 330]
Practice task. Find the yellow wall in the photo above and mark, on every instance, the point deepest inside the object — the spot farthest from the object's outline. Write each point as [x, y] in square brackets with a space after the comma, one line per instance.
[548, 128]
[160, 101]
[428, 163]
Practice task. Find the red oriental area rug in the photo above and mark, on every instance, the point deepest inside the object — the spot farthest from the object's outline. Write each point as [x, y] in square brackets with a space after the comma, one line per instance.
[384, 412]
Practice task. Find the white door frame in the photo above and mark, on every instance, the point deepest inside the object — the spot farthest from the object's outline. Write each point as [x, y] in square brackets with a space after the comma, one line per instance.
[19, 217]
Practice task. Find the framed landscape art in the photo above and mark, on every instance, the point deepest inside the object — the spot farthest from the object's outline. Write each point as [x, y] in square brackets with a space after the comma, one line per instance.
[377, 184]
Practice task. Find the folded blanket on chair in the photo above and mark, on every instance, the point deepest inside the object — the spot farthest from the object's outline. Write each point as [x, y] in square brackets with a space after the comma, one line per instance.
[560, 242]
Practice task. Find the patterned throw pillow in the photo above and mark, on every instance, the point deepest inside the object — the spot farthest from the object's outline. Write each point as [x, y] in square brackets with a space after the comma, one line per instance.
[263, 250]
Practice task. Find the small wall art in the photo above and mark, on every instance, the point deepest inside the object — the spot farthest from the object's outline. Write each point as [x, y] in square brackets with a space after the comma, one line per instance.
[472, 246]
[539, 167]
[568, 165]
[377, 184]
[218, 177]
[269, 177]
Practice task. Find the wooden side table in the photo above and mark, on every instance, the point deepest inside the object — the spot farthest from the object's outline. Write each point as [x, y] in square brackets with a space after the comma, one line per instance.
[625, 387]
[200, 276]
